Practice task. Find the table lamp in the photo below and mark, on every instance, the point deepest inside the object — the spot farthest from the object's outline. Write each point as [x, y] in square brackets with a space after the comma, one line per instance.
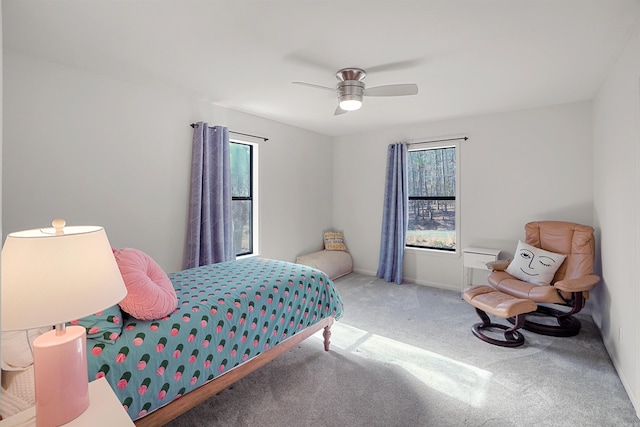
[51, 276]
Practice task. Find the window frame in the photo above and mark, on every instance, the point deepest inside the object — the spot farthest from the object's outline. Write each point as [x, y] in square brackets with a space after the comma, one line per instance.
[253, 198]
[420, 146]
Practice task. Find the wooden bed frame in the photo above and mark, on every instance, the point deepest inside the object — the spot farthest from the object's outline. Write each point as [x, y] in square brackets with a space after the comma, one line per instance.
[181, 405]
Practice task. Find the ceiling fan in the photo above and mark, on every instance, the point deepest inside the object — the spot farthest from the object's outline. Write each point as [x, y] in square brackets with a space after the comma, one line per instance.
[351, 89]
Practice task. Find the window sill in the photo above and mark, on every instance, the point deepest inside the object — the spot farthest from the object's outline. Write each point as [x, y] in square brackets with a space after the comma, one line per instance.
[434, 252]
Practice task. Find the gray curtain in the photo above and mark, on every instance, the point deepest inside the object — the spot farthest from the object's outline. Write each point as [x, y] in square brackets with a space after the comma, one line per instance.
[395, 217]
[210, 229]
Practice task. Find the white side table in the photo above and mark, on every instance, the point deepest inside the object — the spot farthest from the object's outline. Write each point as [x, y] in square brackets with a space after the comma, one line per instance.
[475, 257]
[105, 410]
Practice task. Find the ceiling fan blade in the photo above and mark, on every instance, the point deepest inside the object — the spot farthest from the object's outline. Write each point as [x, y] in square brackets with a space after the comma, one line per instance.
[309, 60]
[332, 89]
[392, 90]
[339, 111]
[399, 65]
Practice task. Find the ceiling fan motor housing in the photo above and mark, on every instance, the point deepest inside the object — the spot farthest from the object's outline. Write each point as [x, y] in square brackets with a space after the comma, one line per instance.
[350, 88]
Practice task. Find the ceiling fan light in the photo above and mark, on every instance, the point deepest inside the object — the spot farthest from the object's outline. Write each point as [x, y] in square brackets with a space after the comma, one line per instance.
[348, 103]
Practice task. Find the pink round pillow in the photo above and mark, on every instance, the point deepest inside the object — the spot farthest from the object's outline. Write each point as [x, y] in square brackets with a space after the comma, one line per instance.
[150, 293]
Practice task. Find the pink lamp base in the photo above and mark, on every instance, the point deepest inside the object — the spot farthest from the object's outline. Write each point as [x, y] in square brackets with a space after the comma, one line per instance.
[61, 379]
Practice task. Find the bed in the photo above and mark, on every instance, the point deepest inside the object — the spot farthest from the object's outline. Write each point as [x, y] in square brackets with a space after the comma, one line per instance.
[231, 319]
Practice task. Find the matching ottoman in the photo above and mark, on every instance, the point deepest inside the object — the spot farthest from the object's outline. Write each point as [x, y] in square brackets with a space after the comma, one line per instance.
[488, 300]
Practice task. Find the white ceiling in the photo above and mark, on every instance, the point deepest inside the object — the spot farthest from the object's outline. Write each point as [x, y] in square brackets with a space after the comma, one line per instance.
[468, 57]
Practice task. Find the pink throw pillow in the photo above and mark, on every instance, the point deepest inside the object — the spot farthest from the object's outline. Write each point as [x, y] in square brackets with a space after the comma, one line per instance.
[150, 293]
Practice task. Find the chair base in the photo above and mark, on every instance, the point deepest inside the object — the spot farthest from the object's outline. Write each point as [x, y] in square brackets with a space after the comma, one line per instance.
[512, 338]
[568, 325]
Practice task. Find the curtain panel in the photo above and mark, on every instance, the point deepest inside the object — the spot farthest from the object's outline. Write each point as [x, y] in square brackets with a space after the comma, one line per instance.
[395, 216]
[210, 227]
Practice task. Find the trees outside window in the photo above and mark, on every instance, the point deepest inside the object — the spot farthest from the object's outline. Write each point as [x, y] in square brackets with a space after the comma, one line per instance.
[431, 174]
[242, 195]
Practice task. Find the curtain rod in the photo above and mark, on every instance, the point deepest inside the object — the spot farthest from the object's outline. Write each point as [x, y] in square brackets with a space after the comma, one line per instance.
[438, 140]
[193, 125]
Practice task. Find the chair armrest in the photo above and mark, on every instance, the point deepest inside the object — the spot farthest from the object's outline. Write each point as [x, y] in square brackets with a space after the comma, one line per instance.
[580, 284]
[498, 265]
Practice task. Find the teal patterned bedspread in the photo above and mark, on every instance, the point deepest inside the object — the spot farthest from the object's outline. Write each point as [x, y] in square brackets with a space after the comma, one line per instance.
[227, 313]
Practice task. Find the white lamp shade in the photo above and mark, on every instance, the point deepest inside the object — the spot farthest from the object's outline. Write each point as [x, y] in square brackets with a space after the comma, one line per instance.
[50, 278]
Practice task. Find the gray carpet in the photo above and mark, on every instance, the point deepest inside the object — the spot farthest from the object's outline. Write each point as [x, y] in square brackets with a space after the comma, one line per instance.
[405, 356]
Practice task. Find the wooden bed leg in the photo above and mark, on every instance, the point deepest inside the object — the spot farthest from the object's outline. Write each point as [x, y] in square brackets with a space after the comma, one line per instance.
[327, 337]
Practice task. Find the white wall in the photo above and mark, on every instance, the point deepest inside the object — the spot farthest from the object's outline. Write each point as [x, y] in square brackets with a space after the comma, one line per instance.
[516, 167]
[95, 150]
[616, 129]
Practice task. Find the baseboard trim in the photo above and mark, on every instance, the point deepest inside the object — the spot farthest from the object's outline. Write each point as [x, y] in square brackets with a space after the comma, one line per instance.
[445, 286]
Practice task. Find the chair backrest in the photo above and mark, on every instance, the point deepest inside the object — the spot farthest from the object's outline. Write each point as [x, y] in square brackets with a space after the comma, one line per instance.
[574, 240]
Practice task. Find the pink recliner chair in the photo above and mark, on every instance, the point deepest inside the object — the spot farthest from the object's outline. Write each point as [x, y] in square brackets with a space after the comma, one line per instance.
[569, 289]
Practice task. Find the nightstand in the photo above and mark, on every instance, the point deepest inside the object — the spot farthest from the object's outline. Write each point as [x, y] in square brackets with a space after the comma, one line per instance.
[105, 410]
[476, 258]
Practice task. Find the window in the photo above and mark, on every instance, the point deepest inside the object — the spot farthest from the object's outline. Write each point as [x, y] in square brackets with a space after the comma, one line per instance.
[433, 204]
[243, 200]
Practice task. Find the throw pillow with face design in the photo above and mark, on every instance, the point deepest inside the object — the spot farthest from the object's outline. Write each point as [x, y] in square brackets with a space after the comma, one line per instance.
[534, 265]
